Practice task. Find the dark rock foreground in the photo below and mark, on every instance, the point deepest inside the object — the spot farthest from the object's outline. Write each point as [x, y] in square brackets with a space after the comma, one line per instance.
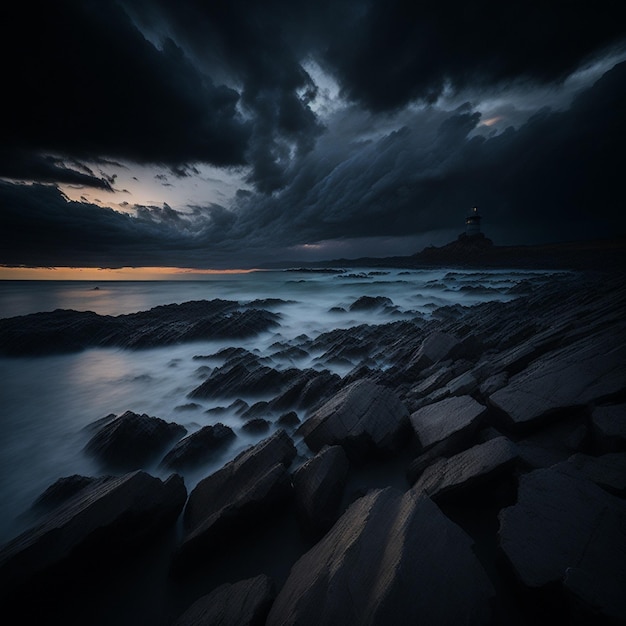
[469, 469]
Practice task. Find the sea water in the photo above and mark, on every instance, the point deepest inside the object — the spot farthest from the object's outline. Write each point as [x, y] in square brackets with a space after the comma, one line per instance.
[47, 403]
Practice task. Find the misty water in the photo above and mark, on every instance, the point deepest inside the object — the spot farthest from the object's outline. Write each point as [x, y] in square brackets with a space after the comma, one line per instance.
[47, 403]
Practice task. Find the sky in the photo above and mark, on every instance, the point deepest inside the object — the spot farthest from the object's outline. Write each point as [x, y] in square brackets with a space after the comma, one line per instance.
[236, 133]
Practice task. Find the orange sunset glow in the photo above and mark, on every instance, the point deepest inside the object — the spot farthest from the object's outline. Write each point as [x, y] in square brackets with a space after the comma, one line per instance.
[122, 273]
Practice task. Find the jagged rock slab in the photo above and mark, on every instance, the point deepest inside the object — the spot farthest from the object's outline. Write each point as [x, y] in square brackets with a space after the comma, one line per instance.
[434, 348]
[561, 522]
[467, 469]
[111, 516]
[198, 447]
[68, 331]
[130, 441]
[457, 416]
[363, 417]
[608, 425]
[244, 603]
[309, 388]
[392, 558]
[589, 369]
[554, 443]
[233, 380]
[607, 471]
[318, 489]
[236, 495]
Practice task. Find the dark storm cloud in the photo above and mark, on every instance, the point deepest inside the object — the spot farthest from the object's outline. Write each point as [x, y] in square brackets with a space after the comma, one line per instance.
[19, 164]
[555, 178]
[400, 50]
[226, 83]
[40, 227]
[81, 80]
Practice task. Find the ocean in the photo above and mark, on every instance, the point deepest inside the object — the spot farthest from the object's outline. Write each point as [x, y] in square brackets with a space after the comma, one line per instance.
[48, 402]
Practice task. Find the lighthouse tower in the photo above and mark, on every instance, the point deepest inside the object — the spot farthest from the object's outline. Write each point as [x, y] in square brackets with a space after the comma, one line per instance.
[472, 223]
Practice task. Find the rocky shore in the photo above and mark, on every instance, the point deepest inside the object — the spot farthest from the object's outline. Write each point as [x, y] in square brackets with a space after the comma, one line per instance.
[470, 469]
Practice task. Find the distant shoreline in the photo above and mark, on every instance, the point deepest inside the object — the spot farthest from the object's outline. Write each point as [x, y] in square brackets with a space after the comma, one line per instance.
[609, 254]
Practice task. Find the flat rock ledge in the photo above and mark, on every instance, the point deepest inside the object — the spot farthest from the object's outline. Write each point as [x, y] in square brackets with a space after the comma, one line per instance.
[364, 418]
[587, 371]
[392, 558]
[468, 469]
[568, 533]
[455, 417]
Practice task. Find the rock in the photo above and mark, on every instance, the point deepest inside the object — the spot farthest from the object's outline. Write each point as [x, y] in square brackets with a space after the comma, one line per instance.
[318, 489]
[311, 387]
[462, 384]
[561, 522]
[109, 518]
[69, 331]
[457, 417]
[244, 603]
[198, 447]
[493, 383]
[235, 496]
[608, 427]
[363, 417]
[608, 471]
[131, 441]
[468, 469]
[256, 425]
[588, 370]
[289, 419]
[555, 442]
[230, 381]
[434, 381]
[371, 303]
[258, 408]
[392, 558]
[434, 348]
[65, 488]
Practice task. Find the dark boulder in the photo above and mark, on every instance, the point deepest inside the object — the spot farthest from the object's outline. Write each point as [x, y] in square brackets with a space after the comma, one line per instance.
[65, 488]
[456, 418]
[467, 470]
[237, 495]
[607, 471]
[435, 347]
[608, 427]
[231, 381]
[289, 419]
[588, 370]
[371, 303]
[256, 425]
[561, 522]
[391, 558]
[198, 447]
[244, 603]
[363, 418]
[109, 519]
[131, 441]
[318, 489]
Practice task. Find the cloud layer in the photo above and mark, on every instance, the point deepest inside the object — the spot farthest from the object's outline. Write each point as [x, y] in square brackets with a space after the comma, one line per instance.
[233, 85]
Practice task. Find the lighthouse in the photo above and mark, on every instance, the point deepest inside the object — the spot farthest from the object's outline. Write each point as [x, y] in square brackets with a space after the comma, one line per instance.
[472, 223]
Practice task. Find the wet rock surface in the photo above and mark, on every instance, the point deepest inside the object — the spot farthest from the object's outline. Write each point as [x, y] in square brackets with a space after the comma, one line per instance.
[130, 441]
[68, 331]
[464, 467]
